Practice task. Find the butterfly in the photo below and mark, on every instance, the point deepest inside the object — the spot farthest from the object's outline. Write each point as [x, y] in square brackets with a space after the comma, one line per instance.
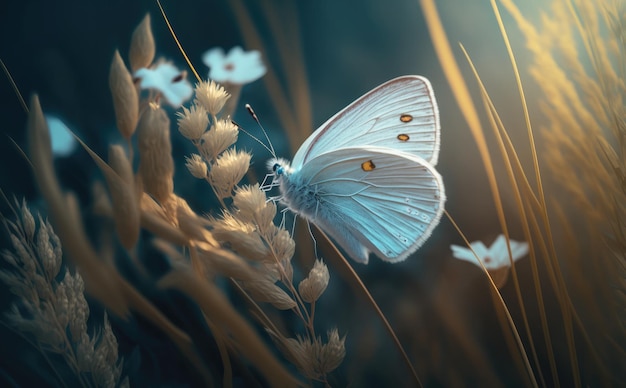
[366, 176]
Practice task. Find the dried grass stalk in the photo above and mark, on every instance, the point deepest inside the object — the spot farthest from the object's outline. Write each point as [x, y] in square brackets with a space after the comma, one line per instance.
[154, 219]
[101, 280]
[125, 202]
[50, 309]
[192, 225]
[219, 310]
[156, 166]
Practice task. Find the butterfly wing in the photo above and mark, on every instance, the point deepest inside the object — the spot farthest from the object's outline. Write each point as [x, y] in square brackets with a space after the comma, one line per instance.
[371, 199]
[401, 114]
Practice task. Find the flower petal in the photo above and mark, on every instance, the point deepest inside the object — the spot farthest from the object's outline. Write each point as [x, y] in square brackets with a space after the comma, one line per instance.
[237, 67]
[466, 254]
[214, 57]
[166, 79]
[499, 252]
[519, 249]
[63, 142]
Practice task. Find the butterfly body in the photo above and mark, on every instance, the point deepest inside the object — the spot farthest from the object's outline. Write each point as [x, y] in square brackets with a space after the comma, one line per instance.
[366, 176]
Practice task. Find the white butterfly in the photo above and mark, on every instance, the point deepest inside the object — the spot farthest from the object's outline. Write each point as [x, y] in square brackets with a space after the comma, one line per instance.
[366, 176]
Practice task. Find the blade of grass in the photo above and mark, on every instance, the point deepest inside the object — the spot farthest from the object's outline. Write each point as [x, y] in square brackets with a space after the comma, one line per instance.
[14, 86]
[505, 309]
[359, 287]
[500, 132]
[565, 311]
[463, 98]
[180, 46]
[219, 310]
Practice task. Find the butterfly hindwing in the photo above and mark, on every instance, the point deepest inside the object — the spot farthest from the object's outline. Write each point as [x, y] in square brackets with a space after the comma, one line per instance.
[401, 114]
[372, 199]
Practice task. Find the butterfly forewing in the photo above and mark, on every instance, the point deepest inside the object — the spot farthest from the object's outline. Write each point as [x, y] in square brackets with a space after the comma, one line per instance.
[375, 199]
[401, 114]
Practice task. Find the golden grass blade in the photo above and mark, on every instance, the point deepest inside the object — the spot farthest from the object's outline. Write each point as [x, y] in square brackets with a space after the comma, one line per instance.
[180, 46]
[507, 152]
[520, 88]
[562, 290]
[461, 93]
[220, 341]
[126, 211]
[491, 112]
[505, 309]
[101, 280]
[359, 288]
[140, 304]
[218, 309]
[588, 41]
[149, 208]
[551, 275]
[463, 98]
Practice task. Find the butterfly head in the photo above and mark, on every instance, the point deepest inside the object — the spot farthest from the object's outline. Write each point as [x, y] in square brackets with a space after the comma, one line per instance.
[279, 167]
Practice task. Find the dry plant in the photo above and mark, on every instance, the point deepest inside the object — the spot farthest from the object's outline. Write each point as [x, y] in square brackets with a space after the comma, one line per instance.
[246, 226]
[577, 246]
[145, 199]
[51, 312]
[240, 241]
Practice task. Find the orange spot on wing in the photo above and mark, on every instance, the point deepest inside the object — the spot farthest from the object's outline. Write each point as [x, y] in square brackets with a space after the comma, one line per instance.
[368, 166]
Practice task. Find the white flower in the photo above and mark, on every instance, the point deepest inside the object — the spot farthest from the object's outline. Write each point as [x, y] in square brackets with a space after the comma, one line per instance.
[494, 257]
[63, 142]
[237, 67]
[167, 80]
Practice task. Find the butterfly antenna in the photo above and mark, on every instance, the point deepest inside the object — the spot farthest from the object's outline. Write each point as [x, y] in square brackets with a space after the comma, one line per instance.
[254, 116]
[271, 151]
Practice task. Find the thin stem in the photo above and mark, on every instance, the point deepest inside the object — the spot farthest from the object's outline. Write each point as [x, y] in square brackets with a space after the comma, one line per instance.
[360, 286]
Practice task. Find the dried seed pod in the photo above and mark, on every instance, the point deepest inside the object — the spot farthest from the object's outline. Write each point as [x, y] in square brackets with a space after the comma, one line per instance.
[196, 166]
[314, 285]
[222, 135]
[229, 169]
[212, 96]
[156, 166]
[263, 289]
[193, 122]
[142, 47]
[125, 98]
